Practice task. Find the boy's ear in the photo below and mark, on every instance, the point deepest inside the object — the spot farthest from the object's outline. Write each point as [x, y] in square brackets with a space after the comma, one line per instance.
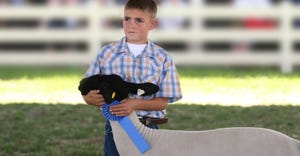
[154, 23]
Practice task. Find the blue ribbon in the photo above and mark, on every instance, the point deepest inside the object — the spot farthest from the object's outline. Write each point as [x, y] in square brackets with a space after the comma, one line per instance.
[128, 126]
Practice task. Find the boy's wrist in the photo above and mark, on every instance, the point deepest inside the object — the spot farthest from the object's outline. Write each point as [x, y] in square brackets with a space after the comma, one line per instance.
[136, 104]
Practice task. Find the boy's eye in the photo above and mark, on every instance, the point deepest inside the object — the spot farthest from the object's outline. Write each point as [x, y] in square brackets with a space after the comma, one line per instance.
[126, 18]
[139, 20]
[136, 20]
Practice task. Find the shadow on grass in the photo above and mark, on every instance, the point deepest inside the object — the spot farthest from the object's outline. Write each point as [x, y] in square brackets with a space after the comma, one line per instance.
[38, 129]
[233, 72]
[17, 72]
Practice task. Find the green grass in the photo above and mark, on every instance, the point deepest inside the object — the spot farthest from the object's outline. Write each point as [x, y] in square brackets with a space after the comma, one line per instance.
[199, 85]
[30, 72]
[37, 117]
[35, 129]
[62, 129]
[48, 85]
[246, 87]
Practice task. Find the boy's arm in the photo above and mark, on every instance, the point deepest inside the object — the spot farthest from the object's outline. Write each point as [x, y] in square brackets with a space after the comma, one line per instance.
[93, 97]
[129, 105]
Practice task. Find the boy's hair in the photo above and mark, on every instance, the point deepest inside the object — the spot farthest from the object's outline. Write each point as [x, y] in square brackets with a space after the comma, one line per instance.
[144, 5]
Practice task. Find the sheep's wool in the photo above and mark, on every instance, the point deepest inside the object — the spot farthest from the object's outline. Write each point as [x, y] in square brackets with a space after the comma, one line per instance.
[237, 141]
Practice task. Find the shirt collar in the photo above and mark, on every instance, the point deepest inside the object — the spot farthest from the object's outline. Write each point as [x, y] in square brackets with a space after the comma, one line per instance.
[148, 51]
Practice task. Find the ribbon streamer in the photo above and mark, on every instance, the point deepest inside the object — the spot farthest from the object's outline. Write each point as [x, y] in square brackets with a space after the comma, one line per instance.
[128, 126]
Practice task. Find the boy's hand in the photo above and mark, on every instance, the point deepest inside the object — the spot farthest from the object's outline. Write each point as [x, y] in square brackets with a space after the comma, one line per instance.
[94, 98]
[125, 108]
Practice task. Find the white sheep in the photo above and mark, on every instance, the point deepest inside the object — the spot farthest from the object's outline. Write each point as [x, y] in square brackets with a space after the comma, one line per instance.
[238, 141]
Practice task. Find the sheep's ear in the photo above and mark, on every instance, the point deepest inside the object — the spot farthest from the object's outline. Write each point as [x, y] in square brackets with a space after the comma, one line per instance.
[140, 92]
[147, 89]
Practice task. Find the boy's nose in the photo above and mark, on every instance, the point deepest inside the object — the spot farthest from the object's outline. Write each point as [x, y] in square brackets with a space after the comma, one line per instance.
[131, 23]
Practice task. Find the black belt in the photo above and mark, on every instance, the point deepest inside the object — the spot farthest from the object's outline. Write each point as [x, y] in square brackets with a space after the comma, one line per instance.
[153, 121]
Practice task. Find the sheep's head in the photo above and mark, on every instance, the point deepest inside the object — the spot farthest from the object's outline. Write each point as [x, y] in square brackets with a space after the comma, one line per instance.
[113, 87]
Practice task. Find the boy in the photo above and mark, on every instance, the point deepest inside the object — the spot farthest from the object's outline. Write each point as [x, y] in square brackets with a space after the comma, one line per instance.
[138, 60]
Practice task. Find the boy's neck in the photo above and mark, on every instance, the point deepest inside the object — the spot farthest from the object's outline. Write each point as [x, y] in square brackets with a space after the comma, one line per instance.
[141, 42]
[137, 43]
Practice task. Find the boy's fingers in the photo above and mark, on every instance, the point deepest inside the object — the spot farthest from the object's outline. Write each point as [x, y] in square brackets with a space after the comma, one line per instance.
[95, 91]
[96, 96]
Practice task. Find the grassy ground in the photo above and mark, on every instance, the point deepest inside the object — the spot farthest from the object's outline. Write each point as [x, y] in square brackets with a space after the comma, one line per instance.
[41, 130]
[44, 85]
[35, 129]
[199, 85]
[37, 119]
[245, 87]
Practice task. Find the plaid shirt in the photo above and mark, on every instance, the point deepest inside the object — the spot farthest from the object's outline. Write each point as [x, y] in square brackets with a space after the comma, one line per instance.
[152, 65]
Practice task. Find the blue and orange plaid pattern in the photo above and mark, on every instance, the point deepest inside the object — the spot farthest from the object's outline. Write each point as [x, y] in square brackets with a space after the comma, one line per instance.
[152, 65]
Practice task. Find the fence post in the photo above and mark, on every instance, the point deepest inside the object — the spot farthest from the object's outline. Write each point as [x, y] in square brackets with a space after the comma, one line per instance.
[286, 63]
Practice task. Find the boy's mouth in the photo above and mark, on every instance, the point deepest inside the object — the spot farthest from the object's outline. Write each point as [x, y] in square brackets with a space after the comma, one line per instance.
[131, 33]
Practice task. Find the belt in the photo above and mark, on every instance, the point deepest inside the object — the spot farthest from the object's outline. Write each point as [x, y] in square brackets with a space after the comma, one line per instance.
[153, 121]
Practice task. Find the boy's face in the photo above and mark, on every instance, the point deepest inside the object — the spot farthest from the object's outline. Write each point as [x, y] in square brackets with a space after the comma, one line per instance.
[137, 24]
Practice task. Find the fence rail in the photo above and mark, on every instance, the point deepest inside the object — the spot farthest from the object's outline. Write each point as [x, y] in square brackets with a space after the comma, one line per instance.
[193, 39]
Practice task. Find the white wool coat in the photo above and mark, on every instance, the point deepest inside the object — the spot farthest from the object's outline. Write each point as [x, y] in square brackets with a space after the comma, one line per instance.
[237, 141]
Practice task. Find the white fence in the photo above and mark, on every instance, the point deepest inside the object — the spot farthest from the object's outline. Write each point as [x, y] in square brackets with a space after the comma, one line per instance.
[192, 38]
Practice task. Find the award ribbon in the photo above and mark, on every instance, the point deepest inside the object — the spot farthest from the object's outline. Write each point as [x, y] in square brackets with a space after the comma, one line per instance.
[128, 126]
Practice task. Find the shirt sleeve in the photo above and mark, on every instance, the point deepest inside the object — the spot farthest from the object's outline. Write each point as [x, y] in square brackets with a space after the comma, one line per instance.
[169, 83]
[94, 67]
